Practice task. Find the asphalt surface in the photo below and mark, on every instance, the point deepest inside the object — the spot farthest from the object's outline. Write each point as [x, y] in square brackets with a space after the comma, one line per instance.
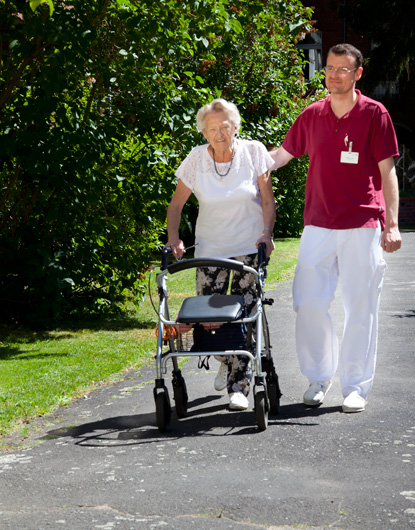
[101, 463]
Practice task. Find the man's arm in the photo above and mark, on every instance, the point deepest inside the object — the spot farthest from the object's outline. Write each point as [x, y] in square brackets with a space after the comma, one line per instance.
[391, 237]
[281, 157]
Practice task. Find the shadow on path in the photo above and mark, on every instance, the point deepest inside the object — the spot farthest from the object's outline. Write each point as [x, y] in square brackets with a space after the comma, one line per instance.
[204, 418]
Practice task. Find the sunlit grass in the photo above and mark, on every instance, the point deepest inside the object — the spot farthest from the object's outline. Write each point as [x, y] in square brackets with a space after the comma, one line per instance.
[41, 371]
[283, 261]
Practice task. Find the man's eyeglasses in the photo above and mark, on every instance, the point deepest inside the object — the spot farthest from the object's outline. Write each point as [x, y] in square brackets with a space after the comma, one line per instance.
[341, 70]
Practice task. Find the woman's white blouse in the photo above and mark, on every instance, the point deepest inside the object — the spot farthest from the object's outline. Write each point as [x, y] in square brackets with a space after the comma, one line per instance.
[230, 217]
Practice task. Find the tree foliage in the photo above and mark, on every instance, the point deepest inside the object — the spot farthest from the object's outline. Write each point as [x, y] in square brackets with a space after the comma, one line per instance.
[34, 4]
[97, 107]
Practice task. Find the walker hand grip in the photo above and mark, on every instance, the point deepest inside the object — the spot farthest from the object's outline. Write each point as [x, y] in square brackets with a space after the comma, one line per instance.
[262, 254]
[165, 258]
[205, 262]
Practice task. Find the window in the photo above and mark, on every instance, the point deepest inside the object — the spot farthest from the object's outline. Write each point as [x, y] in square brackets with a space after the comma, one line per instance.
[312, 48]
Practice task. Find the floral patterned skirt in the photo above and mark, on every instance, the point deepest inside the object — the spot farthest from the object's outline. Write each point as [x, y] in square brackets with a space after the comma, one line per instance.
[215, 280]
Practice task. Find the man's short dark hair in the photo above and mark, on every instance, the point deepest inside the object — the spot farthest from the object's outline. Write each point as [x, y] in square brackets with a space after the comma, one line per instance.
[347, 49]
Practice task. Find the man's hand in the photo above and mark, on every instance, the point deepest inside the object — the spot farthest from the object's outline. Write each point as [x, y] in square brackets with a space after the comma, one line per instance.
[391, 240]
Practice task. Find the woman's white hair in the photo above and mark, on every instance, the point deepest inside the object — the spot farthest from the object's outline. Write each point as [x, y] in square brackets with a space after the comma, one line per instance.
[218, 105]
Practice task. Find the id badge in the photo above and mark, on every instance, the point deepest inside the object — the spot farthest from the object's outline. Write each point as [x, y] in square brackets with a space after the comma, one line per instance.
[349, 157]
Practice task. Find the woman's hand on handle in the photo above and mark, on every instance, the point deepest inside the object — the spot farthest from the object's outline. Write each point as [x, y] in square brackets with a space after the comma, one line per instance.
[177, 248]
[267, 239]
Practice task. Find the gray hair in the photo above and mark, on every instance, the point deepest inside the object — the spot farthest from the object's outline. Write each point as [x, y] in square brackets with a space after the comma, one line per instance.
[218, 105]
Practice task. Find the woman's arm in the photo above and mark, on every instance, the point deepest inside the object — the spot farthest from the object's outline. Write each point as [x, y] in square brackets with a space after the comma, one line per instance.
[268, 211]
[174, 215]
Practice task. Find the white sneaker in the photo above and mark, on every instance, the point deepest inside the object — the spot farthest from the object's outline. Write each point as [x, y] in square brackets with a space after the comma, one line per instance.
[354, 402]
[237, 401]
[221, 379]
[316, 393]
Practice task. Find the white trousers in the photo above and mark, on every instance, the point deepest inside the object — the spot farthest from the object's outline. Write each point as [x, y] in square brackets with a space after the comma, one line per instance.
[356, 259]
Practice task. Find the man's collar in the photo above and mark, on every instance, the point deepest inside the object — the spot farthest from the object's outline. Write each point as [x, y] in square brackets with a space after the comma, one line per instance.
[355, 112]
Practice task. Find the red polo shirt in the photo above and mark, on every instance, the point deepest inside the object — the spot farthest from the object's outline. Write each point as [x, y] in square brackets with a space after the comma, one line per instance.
[340, 195]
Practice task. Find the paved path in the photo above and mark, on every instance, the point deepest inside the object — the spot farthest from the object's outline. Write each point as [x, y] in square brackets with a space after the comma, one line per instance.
[101, 463]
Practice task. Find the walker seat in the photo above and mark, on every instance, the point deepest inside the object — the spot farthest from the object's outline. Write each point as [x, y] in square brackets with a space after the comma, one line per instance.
[211, 308]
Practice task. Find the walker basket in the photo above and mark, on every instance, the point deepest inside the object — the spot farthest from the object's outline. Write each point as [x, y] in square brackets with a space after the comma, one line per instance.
[208, 337]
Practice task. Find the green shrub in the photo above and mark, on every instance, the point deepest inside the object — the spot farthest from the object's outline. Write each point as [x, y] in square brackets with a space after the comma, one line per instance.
[97, 108]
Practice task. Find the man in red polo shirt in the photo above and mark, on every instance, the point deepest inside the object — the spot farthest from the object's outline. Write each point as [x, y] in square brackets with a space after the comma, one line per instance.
[350, 218]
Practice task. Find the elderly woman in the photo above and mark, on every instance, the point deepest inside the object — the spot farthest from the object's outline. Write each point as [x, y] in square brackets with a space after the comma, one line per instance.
[231, 181]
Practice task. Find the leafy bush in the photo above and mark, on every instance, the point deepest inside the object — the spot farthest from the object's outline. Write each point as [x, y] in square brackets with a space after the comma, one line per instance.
[97, 108]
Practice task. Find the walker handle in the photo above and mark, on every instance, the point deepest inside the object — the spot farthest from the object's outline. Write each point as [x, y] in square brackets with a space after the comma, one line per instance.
[205, 262]
[262, 254]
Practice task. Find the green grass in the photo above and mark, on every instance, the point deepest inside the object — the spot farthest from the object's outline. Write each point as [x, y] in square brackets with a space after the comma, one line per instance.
[41, 371]
[283, 261]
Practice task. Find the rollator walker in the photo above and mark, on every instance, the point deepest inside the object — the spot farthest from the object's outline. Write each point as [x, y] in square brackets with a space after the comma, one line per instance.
[213, 325]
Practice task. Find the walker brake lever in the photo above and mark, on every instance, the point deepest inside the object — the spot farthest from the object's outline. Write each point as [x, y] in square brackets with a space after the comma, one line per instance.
[187, 248]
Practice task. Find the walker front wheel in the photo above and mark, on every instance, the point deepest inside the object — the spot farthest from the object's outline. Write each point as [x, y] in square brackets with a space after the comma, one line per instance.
[261, 410]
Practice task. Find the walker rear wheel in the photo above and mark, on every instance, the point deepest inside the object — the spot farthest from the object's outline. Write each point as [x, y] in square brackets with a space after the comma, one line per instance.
[274, 397]
[163, 411]
[180, 398]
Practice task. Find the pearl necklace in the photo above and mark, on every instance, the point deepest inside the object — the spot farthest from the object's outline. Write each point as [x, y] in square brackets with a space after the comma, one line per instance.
[221, 175]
